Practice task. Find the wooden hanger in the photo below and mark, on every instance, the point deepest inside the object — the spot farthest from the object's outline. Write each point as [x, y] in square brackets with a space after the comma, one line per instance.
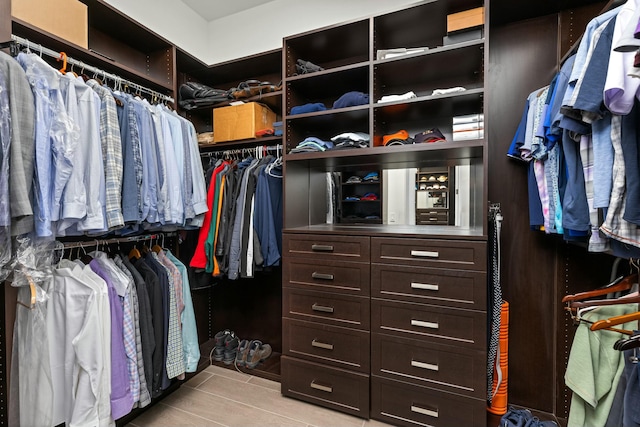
[618, 285]
[616, 320]
[134, 253]
[625, 299]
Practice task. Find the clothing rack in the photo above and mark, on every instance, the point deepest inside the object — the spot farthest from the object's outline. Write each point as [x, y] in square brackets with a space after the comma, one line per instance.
[256, 151]
[98, 242]
[119, 82]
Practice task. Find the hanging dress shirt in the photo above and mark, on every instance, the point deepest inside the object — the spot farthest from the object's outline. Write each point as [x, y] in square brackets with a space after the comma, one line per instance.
[21, 164]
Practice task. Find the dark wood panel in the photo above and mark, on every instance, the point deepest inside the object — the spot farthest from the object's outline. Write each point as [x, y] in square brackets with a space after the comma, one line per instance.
[451, 326]
[330, 345]
[329, 276]
[353, 248]
[409, 405]
[528, 257]
[324, 386]
[430, 253]
[507, 11]
[455, 288]
[573, 23]
[330, 308]
[453, 369]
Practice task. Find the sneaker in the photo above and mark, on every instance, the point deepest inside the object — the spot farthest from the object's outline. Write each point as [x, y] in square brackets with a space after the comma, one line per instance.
[243, 352]
[257, 353]
[231, 343]
[218, 351]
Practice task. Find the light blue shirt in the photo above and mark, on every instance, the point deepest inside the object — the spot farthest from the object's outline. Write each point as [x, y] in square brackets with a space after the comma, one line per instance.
[149, 162]
[199, 196]
[191, 349]
[177, 142]
[174, 210]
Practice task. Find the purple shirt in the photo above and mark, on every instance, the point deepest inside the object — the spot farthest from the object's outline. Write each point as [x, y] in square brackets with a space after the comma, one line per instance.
[121, 399]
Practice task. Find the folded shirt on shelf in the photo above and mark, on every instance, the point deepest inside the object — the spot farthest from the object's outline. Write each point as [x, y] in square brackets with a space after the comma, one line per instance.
[312, 144]
[353, 136]
[448, 90]
[429, 136]
[469, 118]
[394, 98]
[351, 99]
[398, 138]
[400, 51]
[308, 108]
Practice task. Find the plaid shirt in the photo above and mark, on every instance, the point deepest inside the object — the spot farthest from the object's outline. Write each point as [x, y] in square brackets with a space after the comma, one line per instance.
[614, 225]
[111, 154]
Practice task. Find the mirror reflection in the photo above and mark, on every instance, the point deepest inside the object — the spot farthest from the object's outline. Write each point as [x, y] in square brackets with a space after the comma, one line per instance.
[410, 196]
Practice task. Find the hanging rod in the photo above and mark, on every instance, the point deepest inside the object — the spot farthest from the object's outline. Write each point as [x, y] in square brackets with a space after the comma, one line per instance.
[248, 150]
[117, 79]
[98, 242]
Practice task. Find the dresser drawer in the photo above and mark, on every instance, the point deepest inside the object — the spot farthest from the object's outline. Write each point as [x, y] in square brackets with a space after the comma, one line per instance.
[455, 288]
[431, 323]
[409, 405]
[329, 276]
[332, 309]
[455, 254]
[317, 246]
[449, 368]
[330, 387]
[331, 345]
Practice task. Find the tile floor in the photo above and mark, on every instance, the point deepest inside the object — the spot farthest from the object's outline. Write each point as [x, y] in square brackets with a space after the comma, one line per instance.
[223, 397]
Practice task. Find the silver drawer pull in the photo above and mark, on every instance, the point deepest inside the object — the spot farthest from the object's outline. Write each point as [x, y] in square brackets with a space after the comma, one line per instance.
[322, 248]
[423, 365]
[322, 308]
[423, 411]
[320, 344]
[424, 286]
[422, 324]
[425, 254]
[321, 387]
[322, 276]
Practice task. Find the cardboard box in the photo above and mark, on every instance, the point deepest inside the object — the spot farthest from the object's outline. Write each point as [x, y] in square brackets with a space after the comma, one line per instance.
[466, 19]
[66, 19]
[241, 121]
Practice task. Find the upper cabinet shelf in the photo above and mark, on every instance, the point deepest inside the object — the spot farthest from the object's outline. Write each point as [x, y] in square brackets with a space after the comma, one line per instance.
[338, 46]
[116, 44]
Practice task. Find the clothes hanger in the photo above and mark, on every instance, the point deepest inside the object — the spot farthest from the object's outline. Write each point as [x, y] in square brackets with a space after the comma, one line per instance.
[86, 258]
[156, 248]
[620, 284]
[616, 320]
[134, 253]
[63, 58]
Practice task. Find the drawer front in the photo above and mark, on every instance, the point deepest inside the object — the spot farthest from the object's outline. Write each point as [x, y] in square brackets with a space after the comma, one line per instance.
[455, 288]
[444, 367]
[442, 325]
[317, 246]
[456, 254]
[330, 387]
[331, 309]
[410, 405]
[329, 276]
[330, 345]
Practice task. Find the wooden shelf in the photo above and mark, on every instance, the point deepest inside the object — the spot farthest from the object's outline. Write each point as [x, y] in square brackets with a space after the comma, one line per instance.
[46, 39]
[243, 143]
[444, 231]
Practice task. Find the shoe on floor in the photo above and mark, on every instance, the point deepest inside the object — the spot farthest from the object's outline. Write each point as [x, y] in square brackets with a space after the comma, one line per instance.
[257, 353]
[231, 343]
[243, 352]
[218, 351]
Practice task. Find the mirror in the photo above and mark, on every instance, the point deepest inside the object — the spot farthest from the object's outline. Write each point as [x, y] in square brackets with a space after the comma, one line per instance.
[409, 196]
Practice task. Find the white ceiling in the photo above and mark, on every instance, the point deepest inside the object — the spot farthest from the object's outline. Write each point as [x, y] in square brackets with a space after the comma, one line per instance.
[212, 10]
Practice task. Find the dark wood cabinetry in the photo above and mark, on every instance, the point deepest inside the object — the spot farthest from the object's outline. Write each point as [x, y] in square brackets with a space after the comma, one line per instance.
[425, 296]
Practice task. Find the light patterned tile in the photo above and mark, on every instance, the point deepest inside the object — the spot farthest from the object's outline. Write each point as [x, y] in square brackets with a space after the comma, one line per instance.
[262, 382]
[228, 412]
[162, 415]
[198, 379]
[267, 400]
[228, 373]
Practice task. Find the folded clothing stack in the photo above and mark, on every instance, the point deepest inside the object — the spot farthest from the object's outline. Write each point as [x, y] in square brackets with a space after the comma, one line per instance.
[468, 127]
[312, 144]
[349, 140]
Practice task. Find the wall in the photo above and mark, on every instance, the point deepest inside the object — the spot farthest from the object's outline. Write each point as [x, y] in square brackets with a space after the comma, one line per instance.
[249, 32]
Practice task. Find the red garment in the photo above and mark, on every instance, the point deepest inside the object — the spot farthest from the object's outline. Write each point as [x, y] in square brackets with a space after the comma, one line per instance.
[199, 259]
